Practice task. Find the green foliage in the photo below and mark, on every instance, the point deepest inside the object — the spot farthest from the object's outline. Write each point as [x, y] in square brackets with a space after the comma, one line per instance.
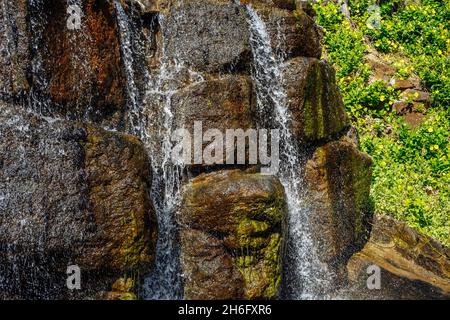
[411, 177]
[419, 31]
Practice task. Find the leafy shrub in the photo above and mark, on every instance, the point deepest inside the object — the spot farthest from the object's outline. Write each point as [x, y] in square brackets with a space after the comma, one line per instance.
[411, 179]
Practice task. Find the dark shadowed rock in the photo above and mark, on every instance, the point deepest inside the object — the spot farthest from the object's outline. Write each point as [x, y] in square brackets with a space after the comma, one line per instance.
[71, 73]
[70, 194]
[413, 266]
[14, 47]
[76, 73]
[313, 98]
[338, 178]
[232, 233]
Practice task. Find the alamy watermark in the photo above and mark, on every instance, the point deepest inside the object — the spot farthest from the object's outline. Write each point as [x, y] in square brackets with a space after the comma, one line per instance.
[374, 280]
[74, 19]
[73, 281]
[234, 146]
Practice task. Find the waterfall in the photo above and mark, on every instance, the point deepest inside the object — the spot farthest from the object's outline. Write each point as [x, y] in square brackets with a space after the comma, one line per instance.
[125, 30]
[152, 119]
[305, 276]
[165, 282]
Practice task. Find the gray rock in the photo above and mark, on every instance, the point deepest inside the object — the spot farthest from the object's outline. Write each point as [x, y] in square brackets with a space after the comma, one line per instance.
[207, 35]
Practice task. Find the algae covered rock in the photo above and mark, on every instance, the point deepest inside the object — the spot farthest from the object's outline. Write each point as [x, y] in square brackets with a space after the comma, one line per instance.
[412, 265]
[231, 236]
[338, 178]
[70, 194]
[313, 98]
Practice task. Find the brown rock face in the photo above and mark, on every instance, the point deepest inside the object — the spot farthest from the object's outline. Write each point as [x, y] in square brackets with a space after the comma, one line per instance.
[232, 231]
[82, 69]
[71, 194]
[119, 180]
[222, 103]
[338, 180]
[217, 103]
[413, 266]
[314, 99]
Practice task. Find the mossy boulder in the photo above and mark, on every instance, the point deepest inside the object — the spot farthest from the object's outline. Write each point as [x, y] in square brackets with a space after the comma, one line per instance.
[71, 194]
[314, 100]
[338, 178]
[233, 225]
[412, 265]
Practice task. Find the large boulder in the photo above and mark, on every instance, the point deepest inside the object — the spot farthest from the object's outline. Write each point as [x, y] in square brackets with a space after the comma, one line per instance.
[412, 265]
[207, 35]
[314, 100]
[291, 33]
[232, 229]
[217, 103]
[70, 194]
[71, 73]
[83, 67]
[338, 179]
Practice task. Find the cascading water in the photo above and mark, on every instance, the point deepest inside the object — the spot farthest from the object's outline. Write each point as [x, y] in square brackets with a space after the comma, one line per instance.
[165, 280]
[152, 120]
[125, 29]
[305, 276]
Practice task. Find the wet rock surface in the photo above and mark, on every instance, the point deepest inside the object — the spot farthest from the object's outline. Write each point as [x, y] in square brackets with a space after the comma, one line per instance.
[232, 233]
[73, 193]
[70, 195]
[314, 100]
[208, 35]
[14, 48]
[338, 178]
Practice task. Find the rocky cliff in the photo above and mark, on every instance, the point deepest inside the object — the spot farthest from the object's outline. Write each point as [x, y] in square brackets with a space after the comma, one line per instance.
[88, 179]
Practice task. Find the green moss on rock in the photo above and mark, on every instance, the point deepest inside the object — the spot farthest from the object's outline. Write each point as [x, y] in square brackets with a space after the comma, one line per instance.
[245, 213]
